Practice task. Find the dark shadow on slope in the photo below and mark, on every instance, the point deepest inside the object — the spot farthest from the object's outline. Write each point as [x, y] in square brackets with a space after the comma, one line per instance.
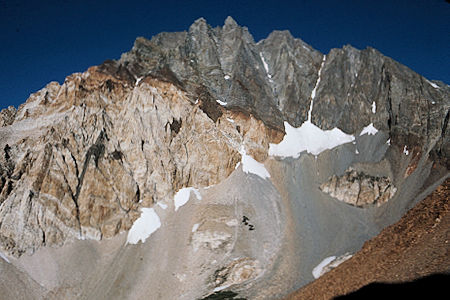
[433, 285]
[223, 295]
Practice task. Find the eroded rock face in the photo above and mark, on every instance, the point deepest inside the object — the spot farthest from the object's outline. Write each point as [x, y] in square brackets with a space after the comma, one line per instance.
[81, 159]
[359, 189]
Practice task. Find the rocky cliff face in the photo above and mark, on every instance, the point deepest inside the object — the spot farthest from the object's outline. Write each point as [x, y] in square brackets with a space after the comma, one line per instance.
[274, 79]
[80, 160]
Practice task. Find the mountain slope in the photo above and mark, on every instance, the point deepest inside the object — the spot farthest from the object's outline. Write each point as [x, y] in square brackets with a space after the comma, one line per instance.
[195, 113]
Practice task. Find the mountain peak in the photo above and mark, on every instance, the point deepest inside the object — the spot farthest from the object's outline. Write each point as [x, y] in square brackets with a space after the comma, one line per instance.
[229, 21]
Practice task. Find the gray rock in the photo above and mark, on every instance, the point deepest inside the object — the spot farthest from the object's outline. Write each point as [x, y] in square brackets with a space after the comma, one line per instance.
[412, 109]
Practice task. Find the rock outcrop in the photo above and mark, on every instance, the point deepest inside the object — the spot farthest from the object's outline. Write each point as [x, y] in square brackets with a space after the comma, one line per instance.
[80, 159]
[7, 116]
[359, 189]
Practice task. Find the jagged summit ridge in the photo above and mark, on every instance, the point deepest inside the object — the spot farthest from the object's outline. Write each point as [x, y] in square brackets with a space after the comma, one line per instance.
[352, 79]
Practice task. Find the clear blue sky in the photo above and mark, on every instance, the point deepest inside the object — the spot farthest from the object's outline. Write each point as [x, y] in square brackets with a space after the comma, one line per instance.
[42, 41]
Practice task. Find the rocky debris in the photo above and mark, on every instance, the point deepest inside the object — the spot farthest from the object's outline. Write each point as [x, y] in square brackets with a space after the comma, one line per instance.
[238, 271]
[359, 189]
[7, 116]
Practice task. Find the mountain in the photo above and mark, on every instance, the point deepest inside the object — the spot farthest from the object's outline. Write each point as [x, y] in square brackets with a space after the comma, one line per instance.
[203, 162]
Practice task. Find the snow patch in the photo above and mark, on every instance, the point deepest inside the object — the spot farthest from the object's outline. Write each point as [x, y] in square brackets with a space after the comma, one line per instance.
[250, 165]
[266, 66]
[144, 226]
[183, 195]
[388, 142]
[374, 107]
[329, 263]
[226, 77]
[369, 129]
[221, 102]
[313, 93]
[195, 227]
[432, 84]
[138, 80]
[4, 257]
[405, 150]
[308, 137]
[317, 271]
[219, 288]
[230, 120]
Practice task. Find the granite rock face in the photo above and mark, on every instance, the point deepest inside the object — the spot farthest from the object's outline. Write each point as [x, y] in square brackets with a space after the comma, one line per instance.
[79, 160]
[274, 79]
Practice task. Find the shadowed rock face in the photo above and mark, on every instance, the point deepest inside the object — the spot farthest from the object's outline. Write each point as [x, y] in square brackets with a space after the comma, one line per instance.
[79, 161]
[408, 106]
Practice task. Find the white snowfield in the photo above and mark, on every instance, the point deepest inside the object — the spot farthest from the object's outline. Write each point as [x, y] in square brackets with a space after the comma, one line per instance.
[374, 107]
[310, 138]
[369, 129]
[144, 226]
[250, 165]
[183, 195]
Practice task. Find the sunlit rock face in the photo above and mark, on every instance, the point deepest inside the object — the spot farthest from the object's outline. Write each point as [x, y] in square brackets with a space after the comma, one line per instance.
[359, 189]
[80, 159]
[232, 152]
